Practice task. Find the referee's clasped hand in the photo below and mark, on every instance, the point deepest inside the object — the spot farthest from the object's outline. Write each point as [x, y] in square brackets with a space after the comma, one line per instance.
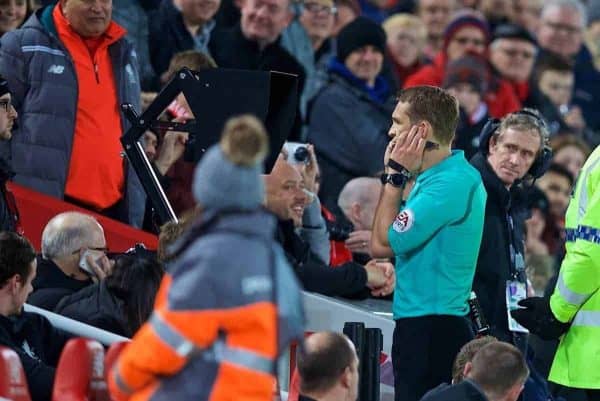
[408, 147]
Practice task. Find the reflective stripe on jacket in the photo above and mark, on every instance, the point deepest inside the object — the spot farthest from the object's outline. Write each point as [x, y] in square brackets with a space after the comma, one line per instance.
[576, 298]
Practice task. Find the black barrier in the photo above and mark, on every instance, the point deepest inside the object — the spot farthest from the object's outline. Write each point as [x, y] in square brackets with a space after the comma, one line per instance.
[369, 344]
[214, 95]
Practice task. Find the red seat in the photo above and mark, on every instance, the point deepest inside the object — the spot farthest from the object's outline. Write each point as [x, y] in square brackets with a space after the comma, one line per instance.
[294, 392]
[13, 384]
[80, 372]
[112, 355]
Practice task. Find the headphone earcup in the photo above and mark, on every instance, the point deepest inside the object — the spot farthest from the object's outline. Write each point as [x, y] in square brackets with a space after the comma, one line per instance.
[541, 163]
[486, 134]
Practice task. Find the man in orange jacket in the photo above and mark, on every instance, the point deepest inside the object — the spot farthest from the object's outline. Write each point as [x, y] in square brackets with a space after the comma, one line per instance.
[217, 326]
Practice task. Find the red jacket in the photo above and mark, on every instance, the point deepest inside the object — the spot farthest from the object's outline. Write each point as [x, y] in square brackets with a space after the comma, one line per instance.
[501, 99]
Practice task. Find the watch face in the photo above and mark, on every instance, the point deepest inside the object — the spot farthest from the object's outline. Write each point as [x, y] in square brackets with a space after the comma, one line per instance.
[397, 180]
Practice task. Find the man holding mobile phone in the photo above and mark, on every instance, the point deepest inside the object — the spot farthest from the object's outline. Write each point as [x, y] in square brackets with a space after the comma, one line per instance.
[434, 236]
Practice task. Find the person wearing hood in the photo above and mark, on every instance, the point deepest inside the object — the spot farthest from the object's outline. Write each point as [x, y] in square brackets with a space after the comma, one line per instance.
[467, 32]
[349, 119]
[229, 303]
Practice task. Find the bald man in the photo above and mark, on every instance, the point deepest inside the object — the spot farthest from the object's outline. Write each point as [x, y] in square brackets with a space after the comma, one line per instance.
[287, 198]
[69, 240]
[358, 201]
[328, 368]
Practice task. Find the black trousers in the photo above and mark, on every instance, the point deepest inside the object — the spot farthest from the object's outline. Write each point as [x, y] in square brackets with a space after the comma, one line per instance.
[423, 352]
[593, 395]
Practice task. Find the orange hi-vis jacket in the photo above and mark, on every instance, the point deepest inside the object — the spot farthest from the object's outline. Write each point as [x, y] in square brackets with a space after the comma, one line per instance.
[214, 331]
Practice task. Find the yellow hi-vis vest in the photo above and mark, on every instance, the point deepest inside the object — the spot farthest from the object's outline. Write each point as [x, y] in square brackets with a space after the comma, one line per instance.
[576, 298]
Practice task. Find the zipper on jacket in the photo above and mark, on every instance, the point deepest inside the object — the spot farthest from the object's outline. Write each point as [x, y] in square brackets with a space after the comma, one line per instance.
[96, 72]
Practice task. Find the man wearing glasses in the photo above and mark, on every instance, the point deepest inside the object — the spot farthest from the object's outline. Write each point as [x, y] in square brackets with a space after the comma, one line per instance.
[73, 257]
[9, 216]
[561, 31]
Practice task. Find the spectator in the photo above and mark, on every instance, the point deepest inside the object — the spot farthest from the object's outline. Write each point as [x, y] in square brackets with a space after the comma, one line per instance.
[592, 33]
[540, 269]
[570, 152]
[358, 201]
[373, 10]
[350, 117]
[30, 335]
[467, 79]
[406, 37]
[466, 355]
[496, 12]
[447, 201]
[435, 15]
[526, 13]
[509, 152]
[254, 44]
[85, 117]
[133, 16]
[512, 53]
[328, 368]
[308, 39]
[170, 232]
[554, 78]
[9, 215]
[347, 11]
[556, 184]
[233, 339]
[561, 32]
[180, 25]
[497, 373]
[467, 32]
[12, 14]
[286, 199]
[69, 240]
[122, 302]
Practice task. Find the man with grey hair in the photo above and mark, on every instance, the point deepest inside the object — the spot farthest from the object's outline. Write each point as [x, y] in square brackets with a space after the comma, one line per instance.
[561, 30]
[358, 201]
[73, 257]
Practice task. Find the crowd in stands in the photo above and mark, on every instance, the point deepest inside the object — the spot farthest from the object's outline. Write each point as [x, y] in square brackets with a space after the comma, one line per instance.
[531, 67]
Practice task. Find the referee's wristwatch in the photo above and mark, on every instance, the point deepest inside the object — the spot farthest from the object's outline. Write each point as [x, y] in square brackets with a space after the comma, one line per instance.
[397, 180]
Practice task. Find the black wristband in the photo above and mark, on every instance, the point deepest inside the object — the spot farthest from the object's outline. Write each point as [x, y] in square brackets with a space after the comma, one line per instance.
[396, 166]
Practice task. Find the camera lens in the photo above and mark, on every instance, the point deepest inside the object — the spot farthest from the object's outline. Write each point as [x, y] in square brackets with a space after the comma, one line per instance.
[301, 154]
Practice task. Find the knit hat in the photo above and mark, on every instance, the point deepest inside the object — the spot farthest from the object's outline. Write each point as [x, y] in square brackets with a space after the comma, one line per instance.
[513, 31]
[464, 18]
[470, 69]
[359, 33]
[229, 174]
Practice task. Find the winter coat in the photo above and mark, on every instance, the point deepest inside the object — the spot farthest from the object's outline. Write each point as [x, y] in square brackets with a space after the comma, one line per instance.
[494, 261]
[51, 284]
[38, 345]
[43, 83]
[97, 306]
[348, 125]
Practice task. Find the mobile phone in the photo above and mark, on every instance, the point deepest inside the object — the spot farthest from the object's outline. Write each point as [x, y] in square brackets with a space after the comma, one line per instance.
[84, 265]
[431, 145]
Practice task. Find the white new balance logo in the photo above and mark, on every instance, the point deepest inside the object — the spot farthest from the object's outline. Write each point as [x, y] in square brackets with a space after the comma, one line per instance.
[56, 69]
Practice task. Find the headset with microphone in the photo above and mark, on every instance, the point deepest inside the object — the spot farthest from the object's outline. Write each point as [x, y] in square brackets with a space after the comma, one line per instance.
[544, 157]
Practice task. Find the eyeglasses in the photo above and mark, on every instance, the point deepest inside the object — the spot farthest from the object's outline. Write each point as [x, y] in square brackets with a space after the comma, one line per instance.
[91, 248]
[568, 29]
[6, 105]
[465, 40]
[317, 8]
[522, 53]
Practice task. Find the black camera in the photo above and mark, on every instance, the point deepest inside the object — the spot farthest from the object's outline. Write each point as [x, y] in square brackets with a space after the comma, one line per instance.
[338, 231]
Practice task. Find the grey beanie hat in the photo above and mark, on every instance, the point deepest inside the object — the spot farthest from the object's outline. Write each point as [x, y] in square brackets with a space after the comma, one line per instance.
[229, 174]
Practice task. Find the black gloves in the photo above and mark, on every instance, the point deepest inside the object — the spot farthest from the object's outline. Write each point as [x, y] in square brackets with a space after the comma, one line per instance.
[537, 317]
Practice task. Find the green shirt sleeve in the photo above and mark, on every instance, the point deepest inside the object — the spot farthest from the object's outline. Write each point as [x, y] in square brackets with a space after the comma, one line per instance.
[437, 203]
